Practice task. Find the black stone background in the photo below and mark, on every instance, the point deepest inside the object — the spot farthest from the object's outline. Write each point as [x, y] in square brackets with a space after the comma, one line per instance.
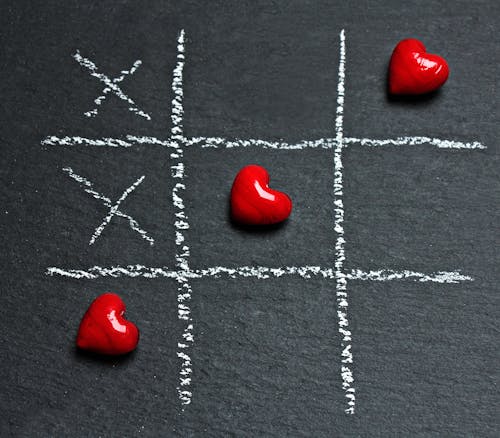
[266, 356]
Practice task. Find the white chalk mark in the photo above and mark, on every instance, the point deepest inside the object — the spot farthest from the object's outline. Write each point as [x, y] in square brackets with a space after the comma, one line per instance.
[89, 188]
[133, 271]
[258, 272]
[219, 142]
[111, 85]
[415, 141]
[118, 79]
[263, 272]
[100, 99]
[150, 141]
[79, 141]
[184, 290]
[114, 209]
[340, 278]
[223, 143]
[389, 274]
[91, 113]
[329, 143]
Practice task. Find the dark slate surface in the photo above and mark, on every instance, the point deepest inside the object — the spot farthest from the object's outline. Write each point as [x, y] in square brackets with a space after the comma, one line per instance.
[266, 354]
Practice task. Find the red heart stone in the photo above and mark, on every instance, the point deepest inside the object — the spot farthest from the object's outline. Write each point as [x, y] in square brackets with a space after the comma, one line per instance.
[103, 328]
[414, 71]
[253, 202]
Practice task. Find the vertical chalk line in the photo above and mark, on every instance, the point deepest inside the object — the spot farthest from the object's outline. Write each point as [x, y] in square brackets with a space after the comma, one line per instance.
[181, 224]
[340, 277]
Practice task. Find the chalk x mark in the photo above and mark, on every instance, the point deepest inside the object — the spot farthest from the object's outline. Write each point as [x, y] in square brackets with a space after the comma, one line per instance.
[114, 208]
[111, 86]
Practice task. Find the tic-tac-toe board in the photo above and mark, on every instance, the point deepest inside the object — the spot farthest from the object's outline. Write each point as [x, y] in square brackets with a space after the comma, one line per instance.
[372, 310]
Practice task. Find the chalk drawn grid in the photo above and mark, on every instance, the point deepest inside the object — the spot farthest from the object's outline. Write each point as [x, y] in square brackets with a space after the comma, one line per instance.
[182, 272]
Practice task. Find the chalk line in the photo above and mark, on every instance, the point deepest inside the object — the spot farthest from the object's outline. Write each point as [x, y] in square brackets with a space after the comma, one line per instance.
[184, 290]
[219, 142]
[79, 141]
[415, 141]
[89, 188]
[389, 274]
[133, 271]
[112, 85]
[329, 143]
[340, 278]
[263, 272]
[224, 143]
[258, 272]
[216, 272]
[133, 139]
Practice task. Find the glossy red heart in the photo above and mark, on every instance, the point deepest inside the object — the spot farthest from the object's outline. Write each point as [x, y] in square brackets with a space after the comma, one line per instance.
[253, 202]
[104, 330]
[414, 71]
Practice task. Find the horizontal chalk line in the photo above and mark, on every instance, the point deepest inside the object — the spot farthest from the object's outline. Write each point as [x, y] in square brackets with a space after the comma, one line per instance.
[415, 141]
[222, 143]
[389, 274]
[82, 141]
[218, 142]
[259, 272]
[263, 272]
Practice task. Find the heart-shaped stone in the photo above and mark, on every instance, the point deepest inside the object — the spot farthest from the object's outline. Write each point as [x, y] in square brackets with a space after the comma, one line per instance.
[414, 71]
[253, 202]
[104, 330]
